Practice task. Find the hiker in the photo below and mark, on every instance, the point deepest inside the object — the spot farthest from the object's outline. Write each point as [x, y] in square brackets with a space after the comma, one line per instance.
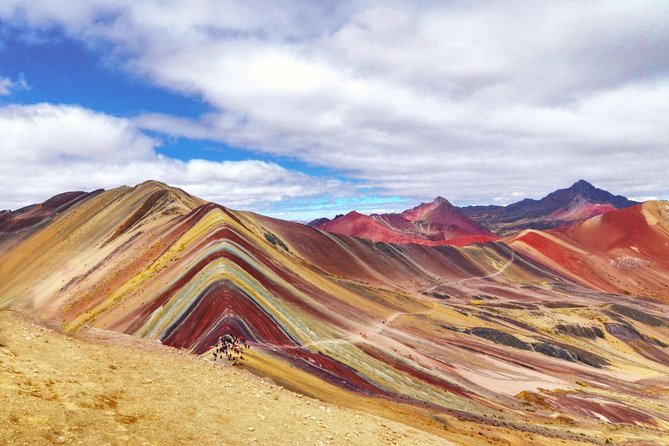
[232, 347]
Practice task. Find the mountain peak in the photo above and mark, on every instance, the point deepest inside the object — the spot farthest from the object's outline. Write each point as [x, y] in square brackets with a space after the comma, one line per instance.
[560, 199]
[592, 194]
[153, 184]
[579, 201]
[437, 208]
[582, 186]
[433, 222]
[441, 200]
[354, 213]
[438, 203]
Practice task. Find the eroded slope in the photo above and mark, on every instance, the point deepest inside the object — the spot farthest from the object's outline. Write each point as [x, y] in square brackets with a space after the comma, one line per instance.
[484, 335]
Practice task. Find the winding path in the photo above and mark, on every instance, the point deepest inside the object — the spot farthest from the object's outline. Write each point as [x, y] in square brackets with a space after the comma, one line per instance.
[501, 270]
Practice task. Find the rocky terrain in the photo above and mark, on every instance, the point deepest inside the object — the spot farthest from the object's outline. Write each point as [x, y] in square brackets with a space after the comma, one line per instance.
[542, 337]
[102, 387]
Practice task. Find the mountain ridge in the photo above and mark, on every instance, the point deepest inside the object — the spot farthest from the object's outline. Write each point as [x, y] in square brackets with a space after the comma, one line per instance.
[424, 223]
[559, 208]
[430, 223]
[503, 334]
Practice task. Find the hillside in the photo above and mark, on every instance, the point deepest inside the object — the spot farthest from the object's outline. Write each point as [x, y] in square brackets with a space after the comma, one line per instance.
[106, 388]
[621, 251]
[498, 342]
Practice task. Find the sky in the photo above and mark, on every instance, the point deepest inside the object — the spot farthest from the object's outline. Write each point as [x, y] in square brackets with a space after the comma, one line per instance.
[306, 109]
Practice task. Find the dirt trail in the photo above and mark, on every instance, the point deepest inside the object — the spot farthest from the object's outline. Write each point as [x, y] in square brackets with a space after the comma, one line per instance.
[447, 282]
[363, 335]
[106, 388]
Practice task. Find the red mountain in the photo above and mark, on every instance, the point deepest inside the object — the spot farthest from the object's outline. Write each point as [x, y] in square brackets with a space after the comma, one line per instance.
[435, 223]
[625, 250]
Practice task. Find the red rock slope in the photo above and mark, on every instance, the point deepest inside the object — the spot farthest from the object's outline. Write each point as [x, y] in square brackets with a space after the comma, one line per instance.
[626, 250]
[435, 223]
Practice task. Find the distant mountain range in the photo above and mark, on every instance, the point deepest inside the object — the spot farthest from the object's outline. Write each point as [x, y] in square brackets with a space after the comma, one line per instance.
[564, 206]
[440, 223]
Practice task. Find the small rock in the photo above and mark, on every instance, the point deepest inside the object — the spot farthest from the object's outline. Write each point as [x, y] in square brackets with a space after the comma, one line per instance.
[251, 429]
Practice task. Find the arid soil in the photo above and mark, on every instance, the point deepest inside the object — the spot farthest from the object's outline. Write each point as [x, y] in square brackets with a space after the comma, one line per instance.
[105, 388]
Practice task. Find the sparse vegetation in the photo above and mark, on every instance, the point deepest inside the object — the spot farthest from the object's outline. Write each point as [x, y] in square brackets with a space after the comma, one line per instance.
[276, 241]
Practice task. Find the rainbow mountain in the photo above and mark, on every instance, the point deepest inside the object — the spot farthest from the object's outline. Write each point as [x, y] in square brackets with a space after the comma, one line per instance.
[538, 337]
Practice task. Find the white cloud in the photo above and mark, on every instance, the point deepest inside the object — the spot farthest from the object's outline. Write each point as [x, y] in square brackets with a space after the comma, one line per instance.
[7, 85]
[471, 100]
[47, 149]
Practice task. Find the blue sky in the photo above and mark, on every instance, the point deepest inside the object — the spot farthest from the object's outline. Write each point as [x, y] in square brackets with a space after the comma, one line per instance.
[62, 70]
[317, 108]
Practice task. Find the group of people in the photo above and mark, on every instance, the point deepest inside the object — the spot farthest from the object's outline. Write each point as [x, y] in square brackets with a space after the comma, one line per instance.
[231, 347]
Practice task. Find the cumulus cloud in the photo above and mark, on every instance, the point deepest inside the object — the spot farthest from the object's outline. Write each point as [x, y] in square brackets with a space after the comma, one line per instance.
[476, 101]
[47, 149]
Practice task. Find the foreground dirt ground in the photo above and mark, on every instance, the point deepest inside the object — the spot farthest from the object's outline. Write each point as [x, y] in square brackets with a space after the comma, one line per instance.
[105, 388]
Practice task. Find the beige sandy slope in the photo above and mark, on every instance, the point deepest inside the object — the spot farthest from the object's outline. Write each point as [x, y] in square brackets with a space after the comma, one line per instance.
[106, 388]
